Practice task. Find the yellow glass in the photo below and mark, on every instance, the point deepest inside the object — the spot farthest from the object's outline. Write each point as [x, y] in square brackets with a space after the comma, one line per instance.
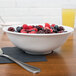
[68, 17]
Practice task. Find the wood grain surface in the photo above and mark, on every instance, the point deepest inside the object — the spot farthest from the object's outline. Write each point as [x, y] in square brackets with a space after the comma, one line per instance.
[62, 62]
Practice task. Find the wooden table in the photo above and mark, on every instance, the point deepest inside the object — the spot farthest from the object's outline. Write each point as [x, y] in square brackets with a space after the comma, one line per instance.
[61, 63]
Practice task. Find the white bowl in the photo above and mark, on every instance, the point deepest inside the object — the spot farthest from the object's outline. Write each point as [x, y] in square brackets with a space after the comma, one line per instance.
[38, 43]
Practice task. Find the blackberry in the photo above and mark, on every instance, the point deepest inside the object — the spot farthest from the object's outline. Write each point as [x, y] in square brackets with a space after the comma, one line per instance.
[33, 26]
[47, 31]
[11, 29]
[60, 28]
[40, 32]
[18, 29]
[38, 27]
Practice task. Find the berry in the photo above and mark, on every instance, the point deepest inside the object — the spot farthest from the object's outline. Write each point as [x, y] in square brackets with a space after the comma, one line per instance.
[32, 32]
[11, 29]
[51, 30]
[28, 31]
[43, 29]
[47, 31]
[33, 26]
[30, 26]
[56, 26]
[32, 29]
[55, 31]
[60, 28]
[40, 32]
[40, 26]
[47, 25]
[18, 29]
[25, 26]
[35, 29]
[53, 25]
[46, 28]
[23, 30]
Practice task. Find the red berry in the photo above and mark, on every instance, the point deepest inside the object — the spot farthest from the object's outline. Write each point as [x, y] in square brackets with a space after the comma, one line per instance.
[31, 29]
[40, 26]
[51, 30]
[25, 26]
[11, 29]
[32, 32]
[46, 28]
[47, 25]
[35, 29]
[53, 25]
[23, 30]
[30, 26]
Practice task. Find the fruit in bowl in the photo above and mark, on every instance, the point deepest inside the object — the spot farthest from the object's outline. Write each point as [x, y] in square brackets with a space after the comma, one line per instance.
[38, 39]
[38, 29]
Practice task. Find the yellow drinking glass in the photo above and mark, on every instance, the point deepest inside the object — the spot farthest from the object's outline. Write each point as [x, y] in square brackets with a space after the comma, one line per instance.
[68, 17]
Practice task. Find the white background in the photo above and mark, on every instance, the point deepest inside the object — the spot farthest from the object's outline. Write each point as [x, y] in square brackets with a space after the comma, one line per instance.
[34, 11]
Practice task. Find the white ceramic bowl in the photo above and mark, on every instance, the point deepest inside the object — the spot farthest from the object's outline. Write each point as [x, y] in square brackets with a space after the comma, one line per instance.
[38, 43]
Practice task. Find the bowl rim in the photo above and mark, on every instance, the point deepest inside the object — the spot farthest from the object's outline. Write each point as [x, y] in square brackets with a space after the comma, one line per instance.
[27, 34]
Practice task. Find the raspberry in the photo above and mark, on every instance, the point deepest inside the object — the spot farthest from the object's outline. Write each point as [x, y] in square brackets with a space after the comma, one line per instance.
[40, 26]
[53, 25]
[11, 29]
[35, 29]
[46, 28]
[30, 26]
[23, 30]
[25, 26]
[51, 30]
[32, 32]
[47, 25]
[39, 29]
